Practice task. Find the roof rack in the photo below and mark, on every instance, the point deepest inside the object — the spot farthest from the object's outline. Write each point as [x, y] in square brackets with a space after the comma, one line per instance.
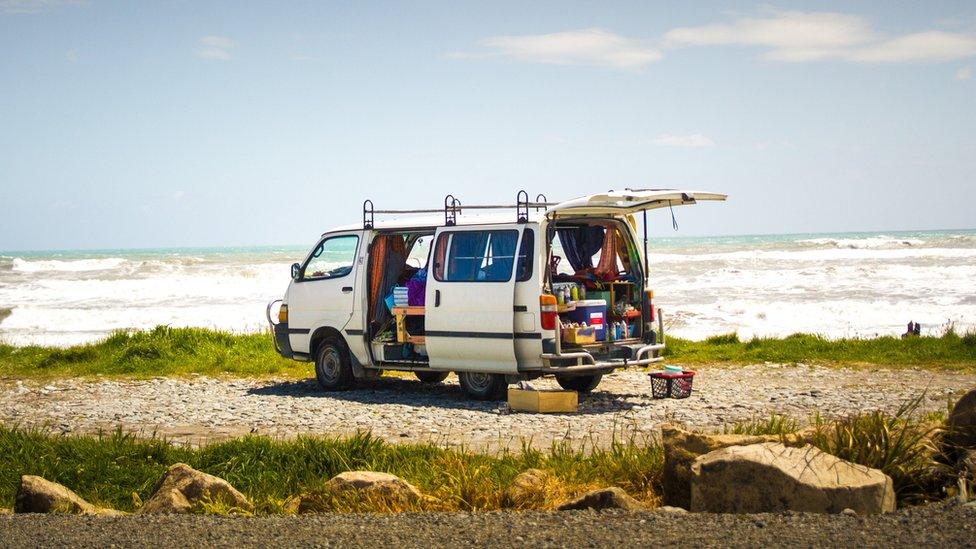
[452, 207]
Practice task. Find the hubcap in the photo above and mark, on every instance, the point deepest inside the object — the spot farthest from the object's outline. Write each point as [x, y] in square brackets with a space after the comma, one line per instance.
[329, 364]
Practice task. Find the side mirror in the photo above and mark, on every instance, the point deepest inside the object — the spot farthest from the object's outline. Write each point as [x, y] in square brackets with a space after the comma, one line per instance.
[296, 271]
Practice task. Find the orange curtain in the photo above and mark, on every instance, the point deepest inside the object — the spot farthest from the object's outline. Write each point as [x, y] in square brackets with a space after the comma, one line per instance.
[606, 269]
[383, 247]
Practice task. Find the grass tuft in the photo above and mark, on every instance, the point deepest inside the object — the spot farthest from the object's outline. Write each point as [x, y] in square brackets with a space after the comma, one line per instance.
[902, 445]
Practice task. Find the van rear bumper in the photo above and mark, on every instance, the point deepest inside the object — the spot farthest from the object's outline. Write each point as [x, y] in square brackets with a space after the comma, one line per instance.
[583, 362]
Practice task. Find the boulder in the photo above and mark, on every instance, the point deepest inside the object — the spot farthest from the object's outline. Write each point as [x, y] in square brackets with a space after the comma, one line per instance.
[526, 490]
[374, 484]
[37, 495]
[605, 498]
[961, 426]
[362, 485]
[682, 447]
[183, 489]
[771, 477]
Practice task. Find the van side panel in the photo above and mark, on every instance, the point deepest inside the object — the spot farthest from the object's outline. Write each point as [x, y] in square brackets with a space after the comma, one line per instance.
[528, 330]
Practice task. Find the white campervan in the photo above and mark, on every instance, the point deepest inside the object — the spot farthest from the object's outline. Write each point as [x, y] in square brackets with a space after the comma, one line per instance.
[535, 288]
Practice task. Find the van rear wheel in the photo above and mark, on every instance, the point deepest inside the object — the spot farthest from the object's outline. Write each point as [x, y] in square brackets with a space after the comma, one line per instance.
[580, 384]
[333, 370]
[431, 377]
[481, 386]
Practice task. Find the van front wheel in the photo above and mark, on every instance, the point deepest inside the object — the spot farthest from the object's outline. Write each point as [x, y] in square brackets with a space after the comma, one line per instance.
[333, 370]
[480, 386]
[580, 384]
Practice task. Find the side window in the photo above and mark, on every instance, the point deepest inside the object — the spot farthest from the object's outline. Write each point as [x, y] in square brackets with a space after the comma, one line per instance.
[475, 256]
[332, 258]
[526, 256]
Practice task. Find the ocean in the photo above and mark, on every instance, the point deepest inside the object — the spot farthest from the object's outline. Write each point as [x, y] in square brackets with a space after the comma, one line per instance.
[837, 285]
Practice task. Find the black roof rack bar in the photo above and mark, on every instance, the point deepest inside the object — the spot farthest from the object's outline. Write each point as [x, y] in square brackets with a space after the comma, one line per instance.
[475, 207]
[522, 207]
[452, 206]
[368, 214]
[541, 202]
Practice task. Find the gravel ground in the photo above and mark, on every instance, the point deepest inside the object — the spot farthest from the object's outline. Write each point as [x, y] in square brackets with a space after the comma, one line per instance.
[398, 409]
[941, 525]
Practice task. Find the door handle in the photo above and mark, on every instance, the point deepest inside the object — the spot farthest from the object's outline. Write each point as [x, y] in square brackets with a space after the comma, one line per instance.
[346, 289]
[437, 298]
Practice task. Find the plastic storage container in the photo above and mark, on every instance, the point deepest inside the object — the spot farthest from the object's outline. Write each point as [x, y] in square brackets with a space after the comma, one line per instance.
[594, 313]
[579, 336]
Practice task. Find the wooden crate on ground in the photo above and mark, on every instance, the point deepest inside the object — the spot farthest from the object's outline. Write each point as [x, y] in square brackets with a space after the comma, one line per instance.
[542, 401]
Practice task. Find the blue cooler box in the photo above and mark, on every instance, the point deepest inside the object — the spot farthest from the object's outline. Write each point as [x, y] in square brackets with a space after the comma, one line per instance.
[594, 313]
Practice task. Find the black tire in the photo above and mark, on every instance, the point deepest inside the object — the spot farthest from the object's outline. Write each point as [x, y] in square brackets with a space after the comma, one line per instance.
[480, 386]
[431, 377]
[580, 384]
[333, 369]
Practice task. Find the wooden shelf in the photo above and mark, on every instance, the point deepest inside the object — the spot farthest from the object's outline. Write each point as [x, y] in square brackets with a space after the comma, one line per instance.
[401, 314]
[413, 310]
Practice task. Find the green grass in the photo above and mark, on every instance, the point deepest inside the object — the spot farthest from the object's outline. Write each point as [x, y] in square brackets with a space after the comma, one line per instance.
[949, 351]
[107, 470]
[165, 351]
[162, 351]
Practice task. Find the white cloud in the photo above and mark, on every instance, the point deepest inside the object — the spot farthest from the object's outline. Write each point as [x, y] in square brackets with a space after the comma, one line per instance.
[695, 140]
[36, 6]
[217, 48]
[794, 36]
[965, 73]
[920, 46]
[595, 47]
[790, 30]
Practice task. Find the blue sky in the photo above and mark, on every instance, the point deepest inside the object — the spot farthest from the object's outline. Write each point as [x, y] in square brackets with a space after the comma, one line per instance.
[140, 124]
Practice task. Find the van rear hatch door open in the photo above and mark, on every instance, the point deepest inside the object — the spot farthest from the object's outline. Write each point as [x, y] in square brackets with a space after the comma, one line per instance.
[629, 201]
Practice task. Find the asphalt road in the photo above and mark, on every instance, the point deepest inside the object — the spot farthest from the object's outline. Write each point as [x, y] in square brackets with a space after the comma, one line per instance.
[940, 525]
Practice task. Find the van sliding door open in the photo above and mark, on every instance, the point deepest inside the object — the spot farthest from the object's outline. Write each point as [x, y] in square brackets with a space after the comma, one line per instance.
[470, 298]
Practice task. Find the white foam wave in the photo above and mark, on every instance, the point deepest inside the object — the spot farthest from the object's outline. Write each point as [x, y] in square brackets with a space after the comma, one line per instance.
[73, 266]
[866, 243]
[838, 254]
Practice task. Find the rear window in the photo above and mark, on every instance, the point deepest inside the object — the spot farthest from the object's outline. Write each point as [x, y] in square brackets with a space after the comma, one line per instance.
[475, 256]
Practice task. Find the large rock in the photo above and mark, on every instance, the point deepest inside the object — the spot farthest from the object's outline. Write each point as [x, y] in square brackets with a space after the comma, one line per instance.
[528, 489]
[771, 477]
[183, 489]
[681, 448]
[37, 495]
[365, 486]
[961, 426]
[374, 484]
[606, 498]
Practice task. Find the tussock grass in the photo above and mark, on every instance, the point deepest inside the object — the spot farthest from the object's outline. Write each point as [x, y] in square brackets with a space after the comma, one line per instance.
[165, 351]
[775, 424]
[904, 445]
[119, 471]
[948, 352]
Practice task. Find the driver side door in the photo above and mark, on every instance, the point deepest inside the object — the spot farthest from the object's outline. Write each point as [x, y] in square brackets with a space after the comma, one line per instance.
[324, 293]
